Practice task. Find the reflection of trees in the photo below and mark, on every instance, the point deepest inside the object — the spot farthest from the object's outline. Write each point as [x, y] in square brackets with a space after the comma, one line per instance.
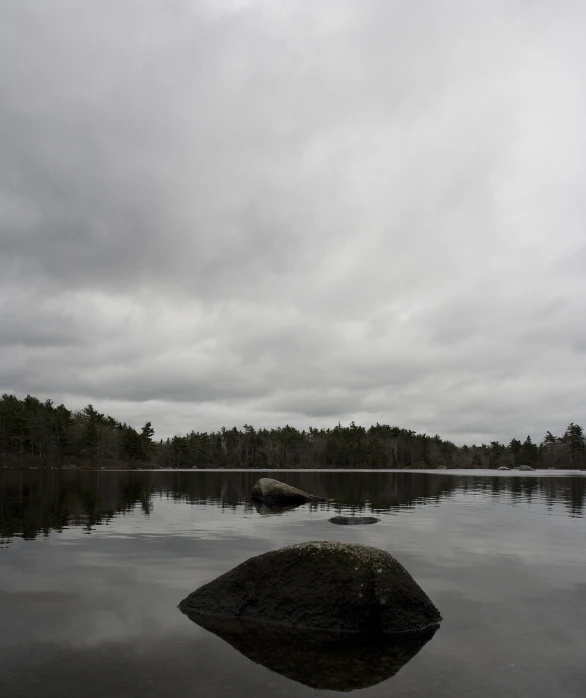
[37, 502]
[570, 491]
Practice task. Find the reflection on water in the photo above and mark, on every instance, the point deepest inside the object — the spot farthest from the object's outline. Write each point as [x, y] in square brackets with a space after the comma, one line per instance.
[93, 565]
[33, 503]
[272, 509]
[311, 661]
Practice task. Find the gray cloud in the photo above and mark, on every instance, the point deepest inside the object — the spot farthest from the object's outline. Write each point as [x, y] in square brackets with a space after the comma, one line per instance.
[249, 212]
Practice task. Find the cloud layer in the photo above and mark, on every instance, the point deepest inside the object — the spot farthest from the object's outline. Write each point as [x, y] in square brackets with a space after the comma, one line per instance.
[296, 212]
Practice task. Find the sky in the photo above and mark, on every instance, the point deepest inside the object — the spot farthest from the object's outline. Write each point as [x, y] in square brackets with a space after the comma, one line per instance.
[270, 212]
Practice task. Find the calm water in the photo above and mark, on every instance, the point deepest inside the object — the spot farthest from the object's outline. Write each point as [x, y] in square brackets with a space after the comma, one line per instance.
[93, 565]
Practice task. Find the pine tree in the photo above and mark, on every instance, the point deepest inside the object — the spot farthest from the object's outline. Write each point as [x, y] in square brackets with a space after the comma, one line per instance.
[529, 451]
[514, 449]
[574, 441]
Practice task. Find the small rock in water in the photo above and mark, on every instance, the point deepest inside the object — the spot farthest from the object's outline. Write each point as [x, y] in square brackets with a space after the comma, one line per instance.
[274, 492]
[503, 467]
[526, 467]
[353, 520]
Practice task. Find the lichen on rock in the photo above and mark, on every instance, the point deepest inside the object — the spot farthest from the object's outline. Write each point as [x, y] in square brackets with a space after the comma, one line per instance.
[319, 586]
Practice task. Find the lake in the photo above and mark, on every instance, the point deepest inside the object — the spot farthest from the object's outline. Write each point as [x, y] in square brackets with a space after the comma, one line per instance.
[93, 565]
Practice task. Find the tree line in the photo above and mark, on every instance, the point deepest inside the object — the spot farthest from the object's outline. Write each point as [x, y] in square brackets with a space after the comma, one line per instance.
[41, 434]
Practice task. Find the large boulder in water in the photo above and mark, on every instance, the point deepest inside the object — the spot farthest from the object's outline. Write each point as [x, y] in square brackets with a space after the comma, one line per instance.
[273, 492]
[526, 467]
[325, 587]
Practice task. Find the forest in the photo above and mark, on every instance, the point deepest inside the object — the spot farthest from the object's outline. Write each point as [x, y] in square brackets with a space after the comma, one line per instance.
[40, 434]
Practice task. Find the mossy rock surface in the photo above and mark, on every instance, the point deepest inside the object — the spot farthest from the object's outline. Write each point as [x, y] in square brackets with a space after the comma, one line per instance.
[320, 586]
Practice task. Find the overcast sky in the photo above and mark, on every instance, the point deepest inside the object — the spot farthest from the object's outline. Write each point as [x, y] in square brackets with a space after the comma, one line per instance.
[296, 211]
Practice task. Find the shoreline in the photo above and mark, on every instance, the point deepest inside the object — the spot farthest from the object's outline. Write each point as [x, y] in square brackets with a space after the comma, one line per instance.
[428, 471]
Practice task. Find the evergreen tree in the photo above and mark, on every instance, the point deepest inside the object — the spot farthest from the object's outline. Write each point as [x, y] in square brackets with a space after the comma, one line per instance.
[549, 440]
[529, 452]
[573, 439]
[147, 433]
[514, 449]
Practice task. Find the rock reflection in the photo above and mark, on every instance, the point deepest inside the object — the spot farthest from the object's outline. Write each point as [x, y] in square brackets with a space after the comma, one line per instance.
[268, 510]
[323, 662]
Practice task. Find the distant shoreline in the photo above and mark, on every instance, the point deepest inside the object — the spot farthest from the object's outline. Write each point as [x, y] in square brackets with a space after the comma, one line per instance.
[438, 471]
[41, 435]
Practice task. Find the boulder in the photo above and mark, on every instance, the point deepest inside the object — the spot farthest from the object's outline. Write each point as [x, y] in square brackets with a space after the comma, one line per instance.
[526, 467]
[503, 467]
[442, 467]
[353, 520]
[273, 492]
[325, 587]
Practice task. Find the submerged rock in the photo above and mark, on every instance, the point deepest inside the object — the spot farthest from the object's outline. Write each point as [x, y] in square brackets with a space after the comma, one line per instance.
[526, 467]
[274, 492]
[353, 520]
[332, 664]
[336, 589]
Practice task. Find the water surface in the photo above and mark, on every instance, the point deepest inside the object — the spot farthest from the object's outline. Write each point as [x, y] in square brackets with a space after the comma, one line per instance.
[93, 565]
